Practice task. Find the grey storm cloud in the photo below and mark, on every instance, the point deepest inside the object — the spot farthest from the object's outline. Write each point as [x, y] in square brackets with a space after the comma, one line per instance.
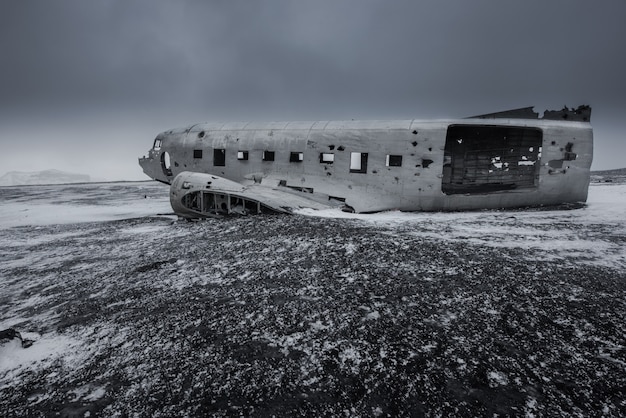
[306, 60]
[200, 52]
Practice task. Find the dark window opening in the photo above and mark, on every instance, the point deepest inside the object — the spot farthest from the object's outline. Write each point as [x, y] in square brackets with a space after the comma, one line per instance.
[426, 162]
[201, 134]
[268, 155]
[242, 155]
[219, 157]
[569, 155]
[197, 153]
[394, 160]
[296, 157]
[283, 183]
[327, 158]
[301, 189]
[358, 162]
[157, 144]
[484, 158]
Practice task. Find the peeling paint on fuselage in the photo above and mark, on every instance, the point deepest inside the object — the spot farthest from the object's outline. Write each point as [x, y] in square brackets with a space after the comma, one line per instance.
[412, 186]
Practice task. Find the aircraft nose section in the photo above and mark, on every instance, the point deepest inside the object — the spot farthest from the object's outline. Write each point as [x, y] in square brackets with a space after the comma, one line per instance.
[157, 165]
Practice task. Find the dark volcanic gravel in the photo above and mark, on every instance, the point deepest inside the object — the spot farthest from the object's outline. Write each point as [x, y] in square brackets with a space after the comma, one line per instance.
[295, 316]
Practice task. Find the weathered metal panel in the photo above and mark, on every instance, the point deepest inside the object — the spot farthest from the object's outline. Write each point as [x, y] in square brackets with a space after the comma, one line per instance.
[415, 184]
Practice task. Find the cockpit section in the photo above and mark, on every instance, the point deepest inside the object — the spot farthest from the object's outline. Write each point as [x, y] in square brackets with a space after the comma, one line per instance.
[158, 163]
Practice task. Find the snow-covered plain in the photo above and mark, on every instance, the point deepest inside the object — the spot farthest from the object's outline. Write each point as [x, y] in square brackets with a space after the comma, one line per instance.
[516, 312]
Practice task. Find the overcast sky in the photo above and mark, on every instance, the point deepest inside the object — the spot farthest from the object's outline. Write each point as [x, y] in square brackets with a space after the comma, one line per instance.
[85, 86]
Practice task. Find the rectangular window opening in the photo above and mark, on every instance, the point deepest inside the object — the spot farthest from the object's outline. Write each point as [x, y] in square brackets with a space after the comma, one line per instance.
[268, 155]
[296, 157]
[242, 155]
[487, 158]
[327, 158]
[394, 161]
[358, 162]
[197, 153]
[219, 157]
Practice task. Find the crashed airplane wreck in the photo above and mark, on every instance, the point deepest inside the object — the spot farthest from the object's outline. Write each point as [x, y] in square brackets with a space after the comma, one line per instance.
[500, 160]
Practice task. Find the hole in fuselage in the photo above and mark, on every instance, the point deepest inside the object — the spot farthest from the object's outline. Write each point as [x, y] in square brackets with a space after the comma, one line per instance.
[166, 164]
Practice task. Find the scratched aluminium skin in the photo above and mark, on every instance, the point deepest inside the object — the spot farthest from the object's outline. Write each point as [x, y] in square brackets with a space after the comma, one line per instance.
[502, 160]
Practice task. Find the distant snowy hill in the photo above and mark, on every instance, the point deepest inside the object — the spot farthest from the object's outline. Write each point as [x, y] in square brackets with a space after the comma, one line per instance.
[19, 178]
[617, 175]
[614, 172]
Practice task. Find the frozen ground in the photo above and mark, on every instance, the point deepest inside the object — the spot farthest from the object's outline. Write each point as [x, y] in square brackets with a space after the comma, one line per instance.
[133, 313]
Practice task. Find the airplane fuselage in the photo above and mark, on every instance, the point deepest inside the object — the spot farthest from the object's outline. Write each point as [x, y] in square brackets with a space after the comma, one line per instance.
[407, 165]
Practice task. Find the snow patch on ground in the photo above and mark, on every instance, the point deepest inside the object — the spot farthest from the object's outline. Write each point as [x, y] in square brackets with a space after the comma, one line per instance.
[458, 314]
[497, 378]
[555, 232]
[45, 349]
[49, 205]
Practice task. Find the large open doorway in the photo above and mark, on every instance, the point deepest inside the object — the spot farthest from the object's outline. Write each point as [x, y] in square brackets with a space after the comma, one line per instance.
[487, 158]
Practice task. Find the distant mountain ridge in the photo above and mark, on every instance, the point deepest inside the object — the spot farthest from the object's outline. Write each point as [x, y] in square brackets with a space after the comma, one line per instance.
[19, 178]
[617, 175]
[614, 172]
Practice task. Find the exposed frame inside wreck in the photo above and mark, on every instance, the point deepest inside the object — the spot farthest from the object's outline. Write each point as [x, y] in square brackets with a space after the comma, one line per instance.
[487, 158]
